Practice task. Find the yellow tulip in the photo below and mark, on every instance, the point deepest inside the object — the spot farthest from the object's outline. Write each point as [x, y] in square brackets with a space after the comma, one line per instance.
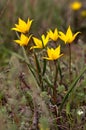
[83, 13]
[68, 37]
[23, 40]
[53, 35]
[40, 43]
[53, 54]
[76, 5]
[22, 26]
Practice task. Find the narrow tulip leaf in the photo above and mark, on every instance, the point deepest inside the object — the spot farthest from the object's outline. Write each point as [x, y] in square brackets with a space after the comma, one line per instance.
[44, 66]
[38, 71]
[37, 63]
[33, 72]
[72, 86]
[60, 71]
[47, 80]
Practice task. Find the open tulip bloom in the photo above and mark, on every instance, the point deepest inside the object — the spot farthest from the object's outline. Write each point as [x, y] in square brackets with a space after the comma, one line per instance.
[23, 41]
[22, 26]
[53, 35]
[76, 5]
[40, 43]
[53, 54]
[68, 37]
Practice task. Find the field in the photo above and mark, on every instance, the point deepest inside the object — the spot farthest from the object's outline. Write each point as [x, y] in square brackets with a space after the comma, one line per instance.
[42, 65]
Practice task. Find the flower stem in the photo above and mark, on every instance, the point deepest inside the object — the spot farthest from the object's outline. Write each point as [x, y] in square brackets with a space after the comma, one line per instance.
[69, 62]
[24, 53]
[55, 84]
[38, 69]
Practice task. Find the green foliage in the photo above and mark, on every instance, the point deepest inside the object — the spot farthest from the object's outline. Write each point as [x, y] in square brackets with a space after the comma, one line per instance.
[43, 123]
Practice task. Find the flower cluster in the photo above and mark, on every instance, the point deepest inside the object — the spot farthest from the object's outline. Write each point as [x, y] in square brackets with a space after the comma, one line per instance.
[52, 54]
[23, 28]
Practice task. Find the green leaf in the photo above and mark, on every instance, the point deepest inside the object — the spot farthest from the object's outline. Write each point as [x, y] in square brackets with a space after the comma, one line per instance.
[72, 86]
[39, 72]
[61, 88]
[47, 80]
[68, 108]
[43, 123]
[44, 66]
[37, 64]
[60, 71]
[38, 69]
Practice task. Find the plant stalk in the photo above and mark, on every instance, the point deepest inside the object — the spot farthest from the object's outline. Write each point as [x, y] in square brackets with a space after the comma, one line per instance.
[70, 62]
[55, 84]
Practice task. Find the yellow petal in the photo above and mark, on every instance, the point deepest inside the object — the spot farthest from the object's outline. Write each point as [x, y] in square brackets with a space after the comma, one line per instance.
[37, 42]
[33, 47]
[62, 36]
[49, 52]
[50, 33]
[55, 34]
[69, 33]
[75, 35]
[22, 23]
[29, 22]
[57, 50]
[44, 40]
[16, 29]
[18, 41]
[47, 58]
[57, 53]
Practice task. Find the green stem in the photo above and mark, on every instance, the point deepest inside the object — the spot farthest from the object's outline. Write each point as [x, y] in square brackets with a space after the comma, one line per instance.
[69, 63]
[30, 67]
[38, 68]
[56, 72]
[24, 53]
[55, 84]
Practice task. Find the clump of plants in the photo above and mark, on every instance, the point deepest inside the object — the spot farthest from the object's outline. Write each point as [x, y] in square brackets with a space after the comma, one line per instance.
[45, 58]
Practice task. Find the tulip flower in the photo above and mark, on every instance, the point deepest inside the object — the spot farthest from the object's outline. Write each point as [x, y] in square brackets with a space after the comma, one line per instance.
[53, 54]
[76, 5]
[53, 35]
[83, 13]
[40, 43]
[22, 26]
[68, 37]
[23, 41]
